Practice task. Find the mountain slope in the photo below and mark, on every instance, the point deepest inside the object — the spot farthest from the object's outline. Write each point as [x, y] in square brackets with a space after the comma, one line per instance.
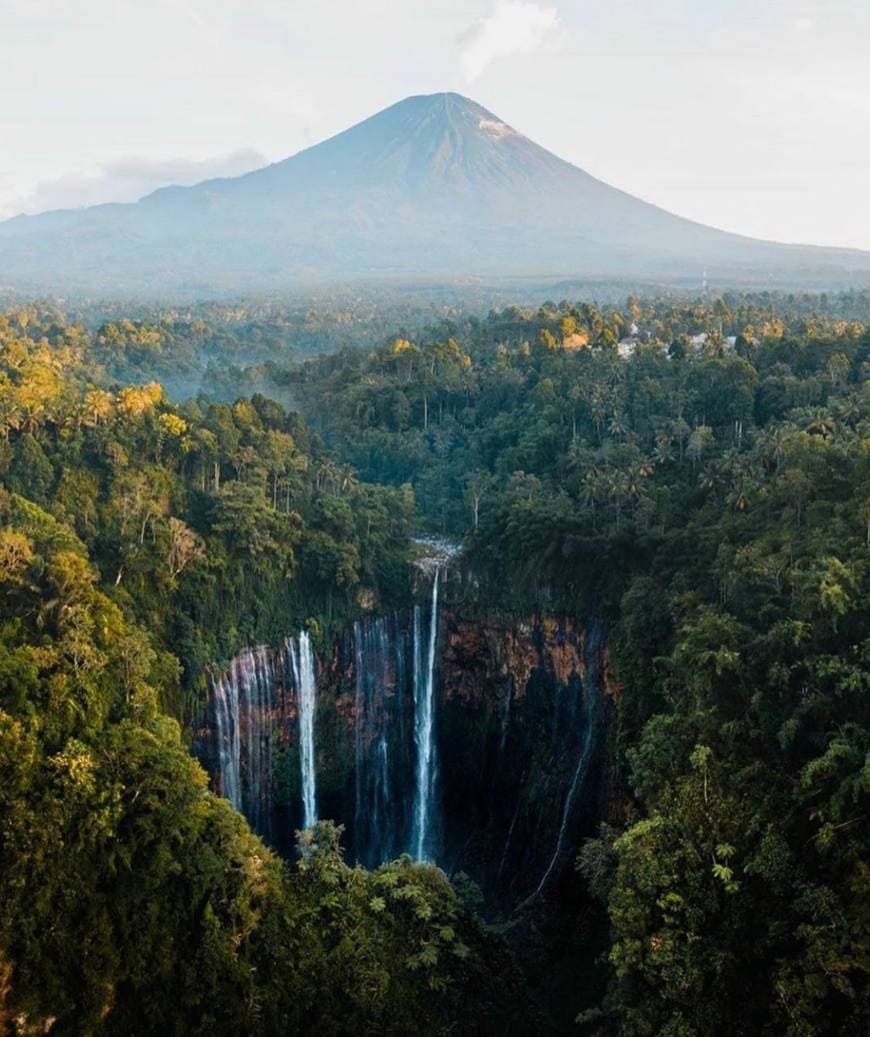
[434, 186]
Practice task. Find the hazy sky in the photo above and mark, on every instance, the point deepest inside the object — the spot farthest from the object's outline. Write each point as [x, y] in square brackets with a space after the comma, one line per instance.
[753, 115]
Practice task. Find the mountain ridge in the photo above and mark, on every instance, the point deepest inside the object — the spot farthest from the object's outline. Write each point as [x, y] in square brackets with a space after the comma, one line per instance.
[433, 186]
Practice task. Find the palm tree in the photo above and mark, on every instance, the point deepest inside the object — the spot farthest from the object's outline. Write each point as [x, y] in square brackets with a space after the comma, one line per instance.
[615, 485]
[346, 479]
[848, 409]
[772, 442]
[709, 478]
[10, 412]
[594, 488]
[633, 483]
[617, 427]
[739, 495]
[664, 448]
[819, 421]
[97, 407]
[598, 407]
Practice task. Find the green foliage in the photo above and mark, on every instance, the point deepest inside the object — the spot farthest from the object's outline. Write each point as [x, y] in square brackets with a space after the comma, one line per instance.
[694, 473]
[134, 900]
[212, 524]
[703, 487]
[386, 936]
[134, 534]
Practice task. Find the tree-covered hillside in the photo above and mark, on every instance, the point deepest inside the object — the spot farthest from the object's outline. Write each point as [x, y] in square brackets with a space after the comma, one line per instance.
[138, 541]
[700, 476]
[215, 524]
[694, 475]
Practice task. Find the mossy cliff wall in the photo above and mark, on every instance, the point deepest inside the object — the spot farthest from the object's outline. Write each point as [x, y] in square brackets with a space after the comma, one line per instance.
[521, 712]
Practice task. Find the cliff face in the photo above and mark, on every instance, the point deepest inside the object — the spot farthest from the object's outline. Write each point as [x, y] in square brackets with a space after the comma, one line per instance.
[520, 711]
[524, 707]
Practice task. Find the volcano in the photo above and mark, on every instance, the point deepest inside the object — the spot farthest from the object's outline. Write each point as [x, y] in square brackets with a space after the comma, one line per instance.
[434, 187]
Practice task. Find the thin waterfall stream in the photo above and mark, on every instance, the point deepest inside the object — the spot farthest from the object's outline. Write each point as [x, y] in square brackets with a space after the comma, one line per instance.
[225, 693]
[424, 728]
[302, 662]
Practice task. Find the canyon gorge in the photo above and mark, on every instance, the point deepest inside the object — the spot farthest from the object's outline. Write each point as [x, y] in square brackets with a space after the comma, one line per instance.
[448, 732]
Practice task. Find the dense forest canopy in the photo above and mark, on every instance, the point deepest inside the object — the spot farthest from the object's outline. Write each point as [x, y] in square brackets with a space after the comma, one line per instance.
[694, 473]
[233, 349]
[139, 540]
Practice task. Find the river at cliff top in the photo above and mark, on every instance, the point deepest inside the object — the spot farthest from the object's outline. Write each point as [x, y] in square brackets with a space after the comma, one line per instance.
[436, 552]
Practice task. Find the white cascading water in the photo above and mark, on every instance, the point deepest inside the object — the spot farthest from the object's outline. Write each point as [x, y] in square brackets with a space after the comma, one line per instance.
[244, 703]
[379, 667]
[302, 663]
[424, 730]
[261, 679]
[395, 773]
[245, 715]
[226, 701]
[358, 727]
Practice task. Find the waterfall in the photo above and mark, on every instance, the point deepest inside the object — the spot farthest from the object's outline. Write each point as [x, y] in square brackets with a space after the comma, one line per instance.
[506, 715]
[507, 844]
[302, 663]
[380, 816]
[266, 705]
[569, 802]
[248, 727]
[359, 720]
[591, 720]
[225, 692]
[244, 701]
[424, 730]
[471, 779]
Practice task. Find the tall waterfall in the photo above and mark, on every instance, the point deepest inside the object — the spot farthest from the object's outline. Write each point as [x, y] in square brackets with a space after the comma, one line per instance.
[424, 729]
[244, 701]
[498, 775]
[380, 755]
[225, 692]
[373, 767]
[302, 662]
[395, 762]
[248, 714]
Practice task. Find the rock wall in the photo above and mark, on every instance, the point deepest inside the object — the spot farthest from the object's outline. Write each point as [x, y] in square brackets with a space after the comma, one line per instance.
[521, 713]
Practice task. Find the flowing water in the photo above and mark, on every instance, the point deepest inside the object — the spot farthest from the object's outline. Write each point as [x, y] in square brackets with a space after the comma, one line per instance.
[225, 694]
[591, 719]
[375, 766]
[301, 659]
[244, 700]
[422, 848]
[378, 647]
[266, 700]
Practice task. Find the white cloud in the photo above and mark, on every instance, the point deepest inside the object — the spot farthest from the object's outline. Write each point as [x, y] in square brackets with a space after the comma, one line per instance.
[126, 180]
[805, 24]
[513, 27]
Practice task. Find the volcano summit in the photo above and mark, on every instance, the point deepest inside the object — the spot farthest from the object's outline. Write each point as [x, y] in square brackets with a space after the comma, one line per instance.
[434, 187]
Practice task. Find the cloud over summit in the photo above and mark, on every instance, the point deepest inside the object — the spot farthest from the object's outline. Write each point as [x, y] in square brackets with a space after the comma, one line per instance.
[513, 27]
